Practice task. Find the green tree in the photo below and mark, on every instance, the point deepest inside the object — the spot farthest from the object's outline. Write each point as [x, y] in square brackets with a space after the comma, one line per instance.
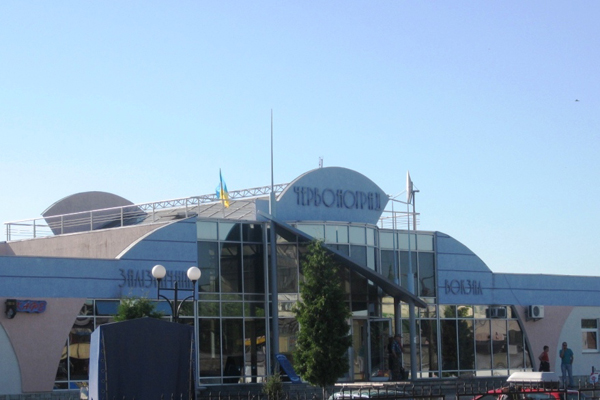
[136, 307]
[323, 340]
[273, 386]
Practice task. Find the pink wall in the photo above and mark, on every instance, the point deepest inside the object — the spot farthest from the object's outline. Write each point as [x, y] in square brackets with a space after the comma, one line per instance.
[39, 339]
[546, 332]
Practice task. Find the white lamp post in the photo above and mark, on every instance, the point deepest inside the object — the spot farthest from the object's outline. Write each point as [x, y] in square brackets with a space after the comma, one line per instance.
[193, 274]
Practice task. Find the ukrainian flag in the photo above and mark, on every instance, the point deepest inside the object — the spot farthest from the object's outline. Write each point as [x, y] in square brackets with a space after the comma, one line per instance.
[222, 191]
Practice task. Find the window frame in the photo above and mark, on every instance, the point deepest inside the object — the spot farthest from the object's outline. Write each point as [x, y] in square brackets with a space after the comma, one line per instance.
[585, 331]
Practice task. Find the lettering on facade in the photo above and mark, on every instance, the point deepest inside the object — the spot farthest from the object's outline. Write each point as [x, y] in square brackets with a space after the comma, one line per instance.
[337, 198]
[31, 306]
[463, 286]
[143, 279]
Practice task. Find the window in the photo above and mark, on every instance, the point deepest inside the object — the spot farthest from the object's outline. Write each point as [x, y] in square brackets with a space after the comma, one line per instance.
[589, 335]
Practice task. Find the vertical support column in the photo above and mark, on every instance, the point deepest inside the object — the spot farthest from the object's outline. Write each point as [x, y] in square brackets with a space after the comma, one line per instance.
[274, 294]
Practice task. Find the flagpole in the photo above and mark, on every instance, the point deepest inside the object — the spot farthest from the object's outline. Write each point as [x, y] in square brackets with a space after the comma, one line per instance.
[272, 196]
[411, 287]
[273, 250]
[221, 193]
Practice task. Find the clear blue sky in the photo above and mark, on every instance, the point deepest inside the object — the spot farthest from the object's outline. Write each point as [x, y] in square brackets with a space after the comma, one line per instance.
[493, 106]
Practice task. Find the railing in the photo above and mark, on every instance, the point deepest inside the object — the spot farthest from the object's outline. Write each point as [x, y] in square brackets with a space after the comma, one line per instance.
[128, 215]
[120, 216]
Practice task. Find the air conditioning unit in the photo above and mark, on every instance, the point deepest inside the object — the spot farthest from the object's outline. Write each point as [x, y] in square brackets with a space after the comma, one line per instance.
[535, 312]
[495, 312]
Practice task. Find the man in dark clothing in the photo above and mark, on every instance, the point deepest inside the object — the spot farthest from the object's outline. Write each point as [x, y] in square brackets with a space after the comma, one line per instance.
[398, 371]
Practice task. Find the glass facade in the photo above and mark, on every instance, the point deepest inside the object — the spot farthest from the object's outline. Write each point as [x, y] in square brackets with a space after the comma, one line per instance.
[233, 307]
[232, 301]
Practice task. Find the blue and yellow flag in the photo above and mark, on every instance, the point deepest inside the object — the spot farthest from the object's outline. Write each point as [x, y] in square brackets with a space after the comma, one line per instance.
[222, 191]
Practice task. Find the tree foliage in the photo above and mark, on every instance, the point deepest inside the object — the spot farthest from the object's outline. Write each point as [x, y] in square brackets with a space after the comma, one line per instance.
[273, 386]
[136, 307]
[323, 340]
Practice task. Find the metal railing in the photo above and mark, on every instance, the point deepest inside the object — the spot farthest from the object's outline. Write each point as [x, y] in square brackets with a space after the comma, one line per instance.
[128, 215]
[120, 216]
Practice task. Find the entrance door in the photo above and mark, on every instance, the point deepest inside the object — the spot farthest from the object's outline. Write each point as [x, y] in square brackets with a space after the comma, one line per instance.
[381, 331]
[360, 350]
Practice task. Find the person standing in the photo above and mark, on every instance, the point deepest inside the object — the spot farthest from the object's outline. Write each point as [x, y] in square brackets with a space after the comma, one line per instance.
[391, 358]
[545, 360]
[566, 364]
[397, 372]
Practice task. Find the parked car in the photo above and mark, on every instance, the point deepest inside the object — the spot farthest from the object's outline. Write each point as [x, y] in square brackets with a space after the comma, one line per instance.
[370, 393]
[532, 386]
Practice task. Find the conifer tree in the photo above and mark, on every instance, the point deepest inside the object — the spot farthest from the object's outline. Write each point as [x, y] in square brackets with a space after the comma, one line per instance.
[321, 355]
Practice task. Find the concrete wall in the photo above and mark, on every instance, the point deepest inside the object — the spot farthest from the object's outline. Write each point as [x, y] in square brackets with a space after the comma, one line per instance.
[38, 341]
[10, 375]
[103, 244]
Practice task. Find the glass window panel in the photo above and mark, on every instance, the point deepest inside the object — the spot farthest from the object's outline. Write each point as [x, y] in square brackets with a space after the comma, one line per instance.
[404, 268]
[404, 311]
[62, 373]
[386, 240]
[315, 231]
[371, 258]
[285, 308]
[465, 311]
[252, 232]
[428, 345]
[429, 312]
[208, 309]
[206, 230]
[342, 234]
[426, 275]
[208, 262]
[589, 323]
[515, 345]
[231, 267]
[230, 309]
[403, 239]
[343, 249]
[590, 341]
[254, 309]
[449, 345]
[107, 307]
[79, 348]
[479, 311]
[336, 234]
[358, 254]
[284, 236]
[254, 269]
[229, 231]
[186, 309]
[370, 237]
[87, 308]
[209, 331]
[499, 344]
[465, 344]
[288, 335]
[287, 269]
[163, 307]
[425, 242]
[357, 235]
[447, 311]
[483, 345]
[388, 263]
[255, 351]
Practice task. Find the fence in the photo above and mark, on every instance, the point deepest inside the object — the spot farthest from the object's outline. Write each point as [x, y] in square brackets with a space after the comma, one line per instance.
[473, 390]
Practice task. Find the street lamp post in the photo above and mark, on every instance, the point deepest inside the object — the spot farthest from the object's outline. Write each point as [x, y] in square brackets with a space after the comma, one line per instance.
[193, 274]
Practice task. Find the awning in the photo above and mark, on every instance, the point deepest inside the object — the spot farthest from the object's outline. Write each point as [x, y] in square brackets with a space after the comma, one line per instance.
[389, 287]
